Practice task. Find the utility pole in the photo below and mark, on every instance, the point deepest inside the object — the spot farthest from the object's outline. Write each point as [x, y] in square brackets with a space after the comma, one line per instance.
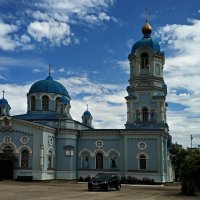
[191, 138]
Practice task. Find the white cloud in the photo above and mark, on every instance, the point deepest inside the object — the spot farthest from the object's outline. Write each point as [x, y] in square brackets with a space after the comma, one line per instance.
[49, 22]
[16, 95]
[54, 31]
[9, 62]
[61, 70]
[74, 5]
[6, 40]
[182, 73]
[124, 65]
[36, 70]
[25, 39]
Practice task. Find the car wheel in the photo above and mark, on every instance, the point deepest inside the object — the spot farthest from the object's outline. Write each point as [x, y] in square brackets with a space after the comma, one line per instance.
[90, 188]
[108, 187]
[118, 187]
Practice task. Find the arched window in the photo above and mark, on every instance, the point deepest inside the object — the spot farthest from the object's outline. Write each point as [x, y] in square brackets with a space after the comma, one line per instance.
[45, 103]
[113, 160]
[85, 121]
[85, 160]
[50, 160]
[57, 101]
[99, 161]
[144, 60]
[24, 159]
[145, 114]
[33, 103]
[142, 162]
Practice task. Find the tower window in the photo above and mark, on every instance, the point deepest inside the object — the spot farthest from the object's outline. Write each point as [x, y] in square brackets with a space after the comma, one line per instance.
[45, 103]
[144, 60]
[33, 102]
[57, 101]
[145, 114]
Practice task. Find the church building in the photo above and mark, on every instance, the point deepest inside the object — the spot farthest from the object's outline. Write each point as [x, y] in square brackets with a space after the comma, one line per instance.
[46, 143]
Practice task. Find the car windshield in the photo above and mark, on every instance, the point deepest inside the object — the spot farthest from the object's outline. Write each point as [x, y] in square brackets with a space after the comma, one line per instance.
[103, 176]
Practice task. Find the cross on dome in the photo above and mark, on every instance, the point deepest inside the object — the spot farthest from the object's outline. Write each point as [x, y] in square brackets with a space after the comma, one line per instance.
[3, 93]
[146, 29]
[49, 69]
[146, 13]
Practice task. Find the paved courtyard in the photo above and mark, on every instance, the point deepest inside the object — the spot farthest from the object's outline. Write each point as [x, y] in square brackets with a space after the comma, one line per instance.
[58, 190]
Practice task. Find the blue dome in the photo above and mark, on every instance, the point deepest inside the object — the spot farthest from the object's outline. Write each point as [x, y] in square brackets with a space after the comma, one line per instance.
[3, 102]
[48, 86]
[146, 42]
[87, 113]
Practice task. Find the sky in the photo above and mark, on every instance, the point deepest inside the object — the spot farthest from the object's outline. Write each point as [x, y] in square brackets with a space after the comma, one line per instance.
[87, 43]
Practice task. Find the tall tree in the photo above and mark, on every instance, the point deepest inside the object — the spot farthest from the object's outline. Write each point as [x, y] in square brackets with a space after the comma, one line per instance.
[177, 156]
[190, 172]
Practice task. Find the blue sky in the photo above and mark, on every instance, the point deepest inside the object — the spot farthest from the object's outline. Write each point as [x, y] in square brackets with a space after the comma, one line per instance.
[87, 42]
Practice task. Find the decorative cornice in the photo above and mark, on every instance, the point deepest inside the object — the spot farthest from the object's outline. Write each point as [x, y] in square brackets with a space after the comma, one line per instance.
[68, 132]
[32, 125]
[122, 132]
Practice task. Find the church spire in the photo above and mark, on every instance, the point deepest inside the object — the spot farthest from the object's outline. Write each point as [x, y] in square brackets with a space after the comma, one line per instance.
[3, 93]
[49, 69]
[146, 29]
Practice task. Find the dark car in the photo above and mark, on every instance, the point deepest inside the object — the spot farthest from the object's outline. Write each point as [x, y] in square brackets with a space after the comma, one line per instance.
[105, 181]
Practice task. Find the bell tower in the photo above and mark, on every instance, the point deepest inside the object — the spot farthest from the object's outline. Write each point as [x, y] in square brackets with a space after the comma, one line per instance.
[147, 90]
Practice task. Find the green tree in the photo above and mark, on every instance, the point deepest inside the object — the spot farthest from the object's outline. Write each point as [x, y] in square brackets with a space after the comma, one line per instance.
[177, 156]
[190, 172]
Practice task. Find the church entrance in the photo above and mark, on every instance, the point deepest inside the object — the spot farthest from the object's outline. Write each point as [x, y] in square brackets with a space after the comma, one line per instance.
[7, 159]
[6, 169]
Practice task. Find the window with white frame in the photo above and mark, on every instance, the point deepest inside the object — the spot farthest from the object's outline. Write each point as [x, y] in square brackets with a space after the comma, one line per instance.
[24, 159]
[99, 161]
[85, 160]
[113, 160]
[69, 150]
[50, 159]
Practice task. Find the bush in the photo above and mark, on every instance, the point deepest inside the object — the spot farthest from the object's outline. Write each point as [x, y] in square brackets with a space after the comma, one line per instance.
[147, 181]
[123, 179]
[188, 188]
[81, 179]
[134, 180]
[87, 178]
